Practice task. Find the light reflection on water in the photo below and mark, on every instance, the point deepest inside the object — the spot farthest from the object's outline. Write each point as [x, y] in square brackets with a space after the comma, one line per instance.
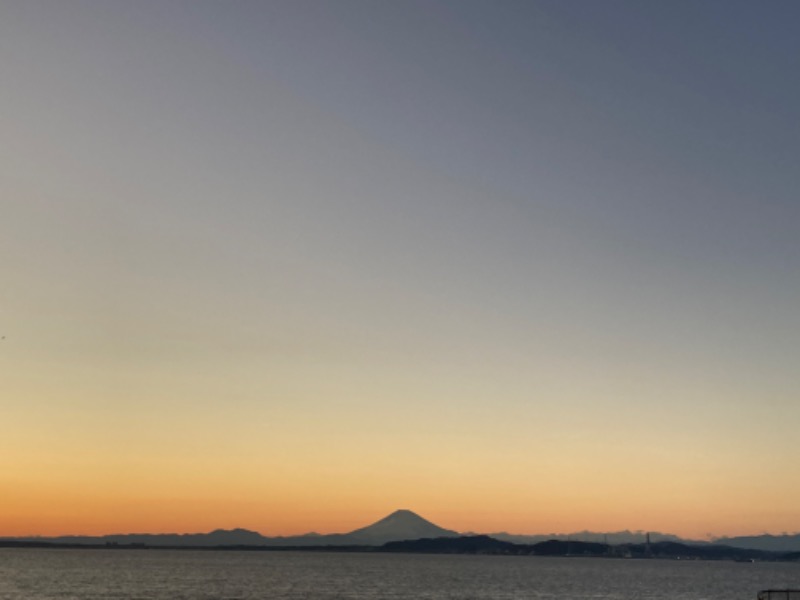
[33, 574]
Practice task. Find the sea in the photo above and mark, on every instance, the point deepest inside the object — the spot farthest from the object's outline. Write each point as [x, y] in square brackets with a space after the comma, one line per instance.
[141, 574]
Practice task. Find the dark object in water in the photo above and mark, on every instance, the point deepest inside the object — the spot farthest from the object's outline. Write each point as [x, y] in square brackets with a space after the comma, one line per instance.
[779, 595]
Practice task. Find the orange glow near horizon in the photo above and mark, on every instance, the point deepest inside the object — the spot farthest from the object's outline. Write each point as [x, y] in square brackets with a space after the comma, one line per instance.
[58, 509]
[164, 467]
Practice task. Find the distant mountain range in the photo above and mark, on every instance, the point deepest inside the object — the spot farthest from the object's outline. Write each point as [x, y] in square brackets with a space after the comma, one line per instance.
[398, 526]
[404, 525]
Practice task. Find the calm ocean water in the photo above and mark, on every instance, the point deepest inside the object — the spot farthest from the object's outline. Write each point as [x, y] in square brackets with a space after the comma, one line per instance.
[206, 575]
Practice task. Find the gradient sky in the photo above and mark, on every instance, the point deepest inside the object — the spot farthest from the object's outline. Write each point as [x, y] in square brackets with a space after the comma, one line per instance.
[291, 265]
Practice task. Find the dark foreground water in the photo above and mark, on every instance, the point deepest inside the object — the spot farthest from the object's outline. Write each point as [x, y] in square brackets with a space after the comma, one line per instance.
[198, 575]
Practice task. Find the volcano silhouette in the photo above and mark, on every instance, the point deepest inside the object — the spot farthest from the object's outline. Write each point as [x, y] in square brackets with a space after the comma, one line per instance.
[400, 525]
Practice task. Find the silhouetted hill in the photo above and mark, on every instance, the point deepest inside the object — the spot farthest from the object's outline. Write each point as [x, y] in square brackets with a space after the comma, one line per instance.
[772, 543]
[482, 544]
[570, 548]
[610, 537]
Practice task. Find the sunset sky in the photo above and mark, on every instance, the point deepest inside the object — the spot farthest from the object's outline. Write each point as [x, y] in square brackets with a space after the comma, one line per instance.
[525, 266]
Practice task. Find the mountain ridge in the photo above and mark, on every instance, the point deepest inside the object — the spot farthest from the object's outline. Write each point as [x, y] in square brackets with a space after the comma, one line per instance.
[400, 525]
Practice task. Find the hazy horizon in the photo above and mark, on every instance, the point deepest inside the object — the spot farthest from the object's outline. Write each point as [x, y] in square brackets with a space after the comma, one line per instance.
[522, 265]
[314, 532]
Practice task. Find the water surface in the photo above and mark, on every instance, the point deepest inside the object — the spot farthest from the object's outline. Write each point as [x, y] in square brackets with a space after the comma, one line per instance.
[33, 574]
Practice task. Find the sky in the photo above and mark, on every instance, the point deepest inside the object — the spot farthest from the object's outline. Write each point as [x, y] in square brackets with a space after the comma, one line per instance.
[292, 265]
